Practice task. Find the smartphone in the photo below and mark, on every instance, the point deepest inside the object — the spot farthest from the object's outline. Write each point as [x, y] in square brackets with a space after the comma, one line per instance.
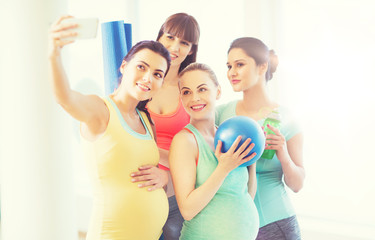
[87, 28]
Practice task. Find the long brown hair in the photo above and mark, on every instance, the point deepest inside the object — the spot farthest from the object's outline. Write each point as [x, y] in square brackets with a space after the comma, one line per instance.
[183, 26]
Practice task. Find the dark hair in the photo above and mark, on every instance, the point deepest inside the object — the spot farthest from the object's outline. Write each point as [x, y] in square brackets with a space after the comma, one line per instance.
[151, 45]
[183, 26]
[257, 50]
[157, 48]
[200, 67]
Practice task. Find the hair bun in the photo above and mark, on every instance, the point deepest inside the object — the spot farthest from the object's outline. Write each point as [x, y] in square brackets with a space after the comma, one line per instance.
[273, 61]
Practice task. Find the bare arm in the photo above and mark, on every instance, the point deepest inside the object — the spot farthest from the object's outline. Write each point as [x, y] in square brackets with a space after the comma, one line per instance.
[252, 184]
[164, 157]
[88, 109]
[182, 158]
[164, 154]
[290, 155]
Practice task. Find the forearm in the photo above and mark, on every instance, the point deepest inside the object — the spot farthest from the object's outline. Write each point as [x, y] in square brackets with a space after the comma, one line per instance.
[59, 80]
[252, 184]
[89, 109]
[168, 186]
[201, 196]
[294, 175]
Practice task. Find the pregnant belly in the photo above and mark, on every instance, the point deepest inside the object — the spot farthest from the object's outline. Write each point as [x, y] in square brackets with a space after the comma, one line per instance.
[123, 215]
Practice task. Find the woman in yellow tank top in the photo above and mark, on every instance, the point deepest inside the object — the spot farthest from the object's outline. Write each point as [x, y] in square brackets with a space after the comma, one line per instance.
[118, 138]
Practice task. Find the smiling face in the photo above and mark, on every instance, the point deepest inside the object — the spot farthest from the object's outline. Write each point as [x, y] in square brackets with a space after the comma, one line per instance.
[178, 48]
[198, 94]
[243, 73]
[143, 75]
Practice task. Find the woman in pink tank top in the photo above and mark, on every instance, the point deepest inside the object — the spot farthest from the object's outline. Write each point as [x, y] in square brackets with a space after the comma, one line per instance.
[179, 34]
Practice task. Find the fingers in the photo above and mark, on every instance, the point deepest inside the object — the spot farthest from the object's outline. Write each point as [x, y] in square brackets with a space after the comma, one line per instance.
[275, 141]
[272, 138]
[275, 137]
[244, 150]
[61, 32]
[274, 145]
[149, 176]
[244, 145]
[246, 159]
[143, 170]
[63, 27]
[151, 185]
[60, 24]
[234, 146]
[141, 178]
[62, 18]
[264, 131]
[146, 167]
[247, 151]
[146, 184]
[140, 173]
[218, 148]
[61, 43]
[156, 186]
[273, 129]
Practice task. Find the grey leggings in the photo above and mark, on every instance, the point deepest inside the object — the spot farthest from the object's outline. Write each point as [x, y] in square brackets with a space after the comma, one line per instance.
[284, 229]
[172, 228]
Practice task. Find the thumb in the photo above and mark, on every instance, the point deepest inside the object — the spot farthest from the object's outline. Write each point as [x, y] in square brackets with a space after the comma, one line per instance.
[218, 148]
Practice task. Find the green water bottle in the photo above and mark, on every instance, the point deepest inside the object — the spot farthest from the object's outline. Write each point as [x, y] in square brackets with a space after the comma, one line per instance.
[273, 119]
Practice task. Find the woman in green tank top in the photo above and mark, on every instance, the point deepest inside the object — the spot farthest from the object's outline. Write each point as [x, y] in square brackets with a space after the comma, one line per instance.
[250, 67]
[211, 190]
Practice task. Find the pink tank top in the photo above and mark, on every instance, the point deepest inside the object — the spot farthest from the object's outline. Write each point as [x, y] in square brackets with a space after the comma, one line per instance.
[168, 125]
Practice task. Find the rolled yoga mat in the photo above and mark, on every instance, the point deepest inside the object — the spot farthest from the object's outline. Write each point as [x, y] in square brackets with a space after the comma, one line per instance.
[116, 43]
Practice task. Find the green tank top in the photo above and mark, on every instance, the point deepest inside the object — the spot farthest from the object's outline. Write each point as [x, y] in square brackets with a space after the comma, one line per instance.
[231, 214]
[271, 199]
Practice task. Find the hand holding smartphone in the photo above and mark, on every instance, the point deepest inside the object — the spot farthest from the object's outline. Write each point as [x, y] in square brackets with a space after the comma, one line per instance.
[87, 28]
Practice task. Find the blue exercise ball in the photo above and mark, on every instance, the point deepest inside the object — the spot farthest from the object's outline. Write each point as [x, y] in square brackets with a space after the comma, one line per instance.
[243, 126]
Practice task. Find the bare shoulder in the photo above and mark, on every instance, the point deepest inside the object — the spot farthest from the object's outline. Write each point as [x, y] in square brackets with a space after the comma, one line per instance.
[184, 144]
[99, 101]
[185, 137]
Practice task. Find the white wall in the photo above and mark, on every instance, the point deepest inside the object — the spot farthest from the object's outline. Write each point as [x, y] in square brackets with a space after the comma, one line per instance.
[325, 75]
[37, 199]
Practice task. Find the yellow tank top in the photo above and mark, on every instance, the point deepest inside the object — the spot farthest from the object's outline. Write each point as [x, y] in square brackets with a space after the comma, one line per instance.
[121, 210]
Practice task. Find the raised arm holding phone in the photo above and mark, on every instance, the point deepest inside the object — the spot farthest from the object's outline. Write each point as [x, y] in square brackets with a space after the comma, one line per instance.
[117, 136]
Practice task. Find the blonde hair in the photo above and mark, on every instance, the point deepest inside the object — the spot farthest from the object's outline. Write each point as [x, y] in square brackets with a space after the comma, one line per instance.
[200, 67]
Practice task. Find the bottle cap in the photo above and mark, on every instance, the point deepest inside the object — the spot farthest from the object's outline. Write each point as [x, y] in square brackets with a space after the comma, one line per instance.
[275, 115]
